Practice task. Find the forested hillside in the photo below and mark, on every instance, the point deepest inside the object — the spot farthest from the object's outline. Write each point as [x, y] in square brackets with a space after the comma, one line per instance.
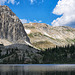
[59, 55]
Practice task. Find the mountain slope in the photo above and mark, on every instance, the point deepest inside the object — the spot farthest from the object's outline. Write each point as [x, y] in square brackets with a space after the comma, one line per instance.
[15, 46]
[11, 27]
[46, 36]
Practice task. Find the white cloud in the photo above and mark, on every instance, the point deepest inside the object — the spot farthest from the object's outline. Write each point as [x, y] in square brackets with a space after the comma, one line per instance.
[17, 3]
[32, 1]
[37, 21]
[28, 21]
[24, 21]
[11, 1]
[2, 2]
[65, 8]
[40, 21]
[36, 1]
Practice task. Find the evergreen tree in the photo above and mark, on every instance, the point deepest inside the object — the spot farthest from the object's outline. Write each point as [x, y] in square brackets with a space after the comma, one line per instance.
[0, 53]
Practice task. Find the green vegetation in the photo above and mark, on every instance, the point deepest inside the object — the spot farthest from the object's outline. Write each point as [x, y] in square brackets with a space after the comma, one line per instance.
[31, 27]
[69, 30]
[59, 55]
[43, 44]
[16, 56]
[49, 37]
[35, 34]
[70, 40]
[30, 35]
[0, 52]
[73, 40]
[8, 53]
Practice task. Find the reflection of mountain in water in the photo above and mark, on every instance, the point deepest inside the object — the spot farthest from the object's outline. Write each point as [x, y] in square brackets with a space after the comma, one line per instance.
[37, 70]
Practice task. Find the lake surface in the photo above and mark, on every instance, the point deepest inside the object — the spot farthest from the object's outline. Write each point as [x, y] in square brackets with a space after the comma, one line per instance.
[49, 69]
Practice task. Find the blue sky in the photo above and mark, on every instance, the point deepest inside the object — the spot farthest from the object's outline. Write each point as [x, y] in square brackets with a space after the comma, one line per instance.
[36, 11]
[52, 12]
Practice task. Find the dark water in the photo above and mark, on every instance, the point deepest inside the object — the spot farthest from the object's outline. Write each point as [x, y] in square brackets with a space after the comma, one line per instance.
[37, 69]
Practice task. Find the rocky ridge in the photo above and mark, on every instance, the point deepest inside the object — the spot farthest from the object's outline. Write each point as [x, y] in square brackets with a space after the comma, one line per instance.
[46, 36]
[15, 46]
[11, 27]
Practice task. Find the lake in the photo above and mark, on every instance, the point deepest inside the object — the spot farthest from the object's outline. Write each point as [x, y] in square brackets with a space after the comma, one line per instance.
[39, 69]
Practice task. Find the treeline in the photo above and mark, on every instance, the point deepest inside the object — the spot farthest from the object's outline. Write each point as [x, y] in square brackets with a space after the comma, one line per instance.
[59, 55]
[11, 56]
[5, 55]
[16, 56]
[7, 52]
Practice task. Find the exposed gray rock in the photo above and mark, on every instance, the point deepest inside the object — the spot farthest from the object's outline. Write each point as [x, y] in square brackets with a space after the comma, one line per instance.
[11, 27]
[18, 44]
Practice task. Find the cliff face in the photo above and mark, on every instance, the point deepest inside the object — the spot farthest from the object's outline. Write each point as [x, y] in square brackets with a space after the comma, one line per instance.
[11, 27]
[13, 36]
[45, 36]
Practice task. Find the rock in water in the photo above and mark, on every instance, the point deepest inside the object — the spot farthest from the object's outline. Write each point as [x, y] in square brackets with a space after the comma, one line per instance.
[11, 27]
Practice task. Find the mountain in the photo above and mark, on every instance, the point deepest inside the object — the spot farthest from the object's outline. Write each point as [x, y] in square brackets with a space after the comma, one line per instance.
[15, 46]
[46, 36]
[11, 28]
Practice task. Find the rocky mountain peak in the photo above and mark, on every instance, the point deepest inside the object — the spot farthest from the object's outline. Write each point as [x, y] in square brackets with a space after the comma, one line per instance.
[36, 24]
[11, 27]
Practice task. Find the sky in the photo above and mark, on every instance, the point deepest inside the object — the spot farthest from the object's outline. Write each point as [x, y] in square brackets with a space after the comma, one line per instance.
[52, 12]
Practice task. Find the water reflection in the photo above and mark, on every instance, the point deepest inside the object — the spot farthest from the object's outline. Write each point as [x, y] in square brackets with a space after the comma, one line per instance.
[37, 73]
[37, 70]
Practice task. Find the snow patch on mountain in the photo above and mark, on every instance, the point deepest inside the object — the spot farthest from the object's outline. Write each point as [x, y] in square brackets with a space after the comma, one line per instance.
[27, 31]
[46, 34]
